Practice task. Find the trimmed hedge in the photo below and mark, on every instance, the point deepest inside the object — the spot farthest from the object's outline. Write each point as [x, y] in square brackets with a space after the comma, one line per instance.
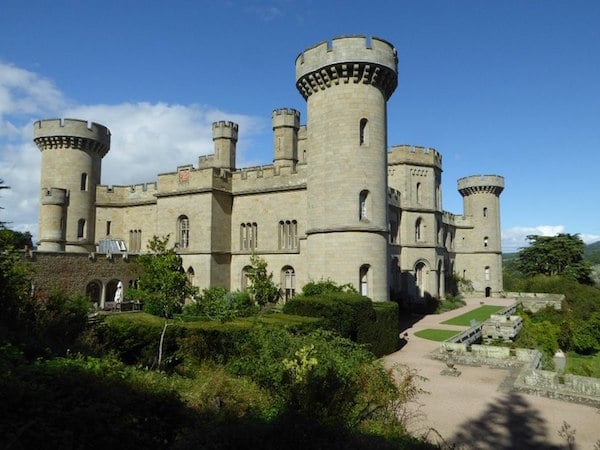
[353, 316]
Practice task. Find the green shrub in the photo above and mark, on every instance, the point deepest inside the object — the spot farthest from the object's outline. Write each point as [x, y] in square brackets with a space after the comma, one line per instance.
[315, 288]
[216, 303]
[344, 312]
[382, 334]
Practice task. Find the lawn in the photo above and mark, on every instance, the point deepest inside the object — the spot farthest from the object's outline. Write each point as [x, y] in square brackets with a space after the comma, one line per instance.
[480, 314]
[586, 366]
[436, 335]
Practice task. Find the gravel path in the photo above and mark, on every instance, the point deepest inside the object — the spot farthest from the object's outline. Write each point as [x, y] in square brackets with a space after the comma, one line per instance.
[477, 410]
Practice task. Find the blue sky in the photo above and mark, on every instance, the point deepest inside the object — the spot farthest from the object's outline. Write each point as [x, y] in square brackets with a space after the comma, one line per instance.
[507, 87]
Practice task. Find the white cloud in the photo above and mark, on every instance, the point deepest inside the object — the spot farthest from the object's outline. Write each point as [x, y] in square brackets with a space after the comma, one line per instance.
[147, 139]
[515, 238]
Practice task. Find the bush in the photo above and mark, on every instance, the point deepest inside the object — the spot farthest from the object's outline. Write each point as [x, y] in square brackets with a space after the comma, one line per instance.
[344, 312]
[216, 303]
[382, 334]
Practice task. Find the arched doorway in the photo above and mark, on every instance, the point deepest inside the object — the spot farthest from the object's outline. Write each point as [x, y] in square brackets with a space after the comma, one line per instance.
[93, 291]
[288, 282]
[421, 279]
[111, 289]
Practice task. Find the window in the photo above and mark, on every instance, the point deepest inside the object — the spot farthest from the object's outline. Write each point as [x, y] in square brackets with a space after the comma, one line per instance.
[288, 282]
[363, 209]
[108, 227]
[183, 231]
[190, 275]
[288, 234]
[364, 280]
[363, 136]
[485, 241]
[135, 241]
[81, 228]
[485, 212]
[248, 236]
[418, 231]
[487, 273]
[246, 282]
[418, 192]
[83, 186]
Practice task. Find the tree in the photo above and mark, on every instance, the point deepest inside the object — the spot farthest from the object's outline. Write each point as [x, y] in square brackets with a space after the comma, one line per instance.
[555, 255]
[262, 288]
[163, 284]
[2, 186]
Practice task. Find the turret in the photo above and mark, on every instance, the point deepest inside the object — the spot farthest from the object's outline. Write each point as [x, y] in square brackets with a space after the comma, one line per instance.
[482, 239]
[72, 152]
[286, 123]
[346, 84]
[225, 136]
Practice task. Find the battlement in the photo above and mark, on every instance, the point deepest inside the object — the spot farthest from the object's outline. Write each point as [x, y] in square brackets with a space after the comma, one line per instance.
[357, 58]
[225, 130]
[286, 117]
[54, 196]
[268, 178]
[126, 194]
[409, 154]
[491, 184]
[72, 133]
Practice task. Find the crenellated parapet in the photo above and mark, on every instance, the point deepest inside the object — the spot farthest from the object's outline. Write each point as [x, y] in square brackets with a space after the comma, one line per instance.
[350, 59]
[475, 184]
[134, 194]
[72, 133]
[225, 130]
[286, 117]
[412, 154]
[54, 196]
[268, 178]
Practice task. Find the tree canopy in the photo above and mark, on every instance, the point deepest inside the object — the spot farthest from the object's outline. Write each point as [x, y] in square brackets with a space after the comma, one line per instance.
[163, 284]
[555, 255]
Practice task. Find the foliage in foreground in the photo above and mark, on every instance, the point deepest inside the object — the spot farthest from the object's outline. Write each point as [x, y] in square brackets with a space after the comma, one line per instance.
[216, 303]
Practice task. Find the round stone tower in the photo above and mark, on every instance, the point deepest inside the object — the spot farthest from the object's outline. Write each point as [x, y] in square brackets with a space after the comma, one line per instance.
[346, 84]
[481, 203]
[72, 152]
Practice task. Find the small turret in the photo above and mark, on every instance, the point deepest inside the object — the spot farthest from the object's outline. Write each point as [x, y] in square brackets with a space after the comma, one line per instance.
[225, 136]
[286, 123]
[72, 152]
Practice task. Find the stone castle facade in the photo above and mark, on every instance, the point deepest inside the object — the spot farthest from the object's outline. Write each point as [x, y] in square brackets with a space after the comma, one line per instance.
[335, 204]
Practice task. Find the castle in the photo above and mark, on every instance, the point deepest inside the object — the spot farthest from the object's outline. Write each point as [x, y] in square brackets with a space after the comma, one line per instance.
[335, 204]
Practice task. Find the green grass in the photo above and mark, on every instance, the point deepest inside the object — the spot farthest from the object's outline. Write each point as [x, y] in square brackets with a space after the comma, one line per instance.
[586, 366]
[436, 335]
[480, 314]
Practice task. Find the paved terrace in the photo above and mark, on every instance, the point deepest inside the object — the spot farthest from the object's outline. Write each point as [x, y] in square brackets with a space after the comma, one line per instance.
[477, 410]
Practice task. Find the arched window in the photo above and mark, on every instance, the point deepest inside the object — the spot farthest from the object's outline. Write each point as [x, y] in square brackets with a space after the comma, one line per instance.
[190, 275]
[363, 208]
[485, 241]
[418, 229]
[183, 231]
[363, 278]
[245, 282]
[288, 282]
[248, 236]
[83, 185]
[486, 272]
[135, 241]
[485, 212]
[363, 132]
[81, 228]
[288, 234]
[418, 192]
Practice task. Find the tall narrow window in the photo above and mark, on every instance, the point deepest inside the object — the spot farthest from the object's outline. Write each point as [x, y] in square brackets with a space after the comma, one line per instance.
[485, 241]
[248, 236]
[81, 228]
[183, 231]
[364, 280]
[487, 273]
[108, 227]
[418, 192]
[363, 132]
[288, 282]
[418, 231]
[245, 281]
[288, 234]
[83, 186]
[485, 212]
[363, 209]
